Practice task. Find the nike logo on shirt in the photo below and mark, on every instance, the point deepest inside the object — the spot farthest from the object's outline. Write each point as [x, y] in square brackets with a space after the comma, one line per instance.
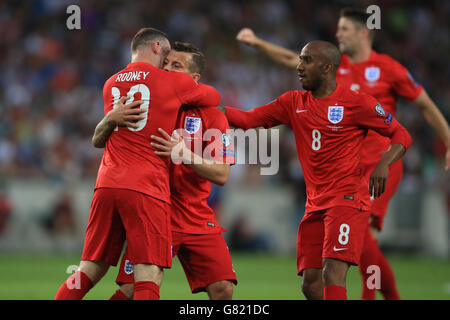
[339, 249]
[298, 111]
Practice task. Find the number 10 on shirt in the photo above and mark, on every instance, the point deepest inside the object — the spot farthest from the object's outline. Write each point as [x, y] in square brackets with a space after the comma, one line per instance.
[145, 96]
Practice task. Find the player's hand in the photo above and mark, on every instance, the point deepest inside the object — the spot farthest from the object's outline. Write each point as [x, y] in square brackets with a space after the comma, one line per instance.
[170, 146]
[378, 179]
[247, 36]
[126, 115]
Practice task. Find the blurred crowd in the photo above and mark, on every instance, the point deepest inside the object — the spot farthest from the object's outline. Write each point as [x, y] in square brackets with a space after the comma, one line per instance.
[52, 77]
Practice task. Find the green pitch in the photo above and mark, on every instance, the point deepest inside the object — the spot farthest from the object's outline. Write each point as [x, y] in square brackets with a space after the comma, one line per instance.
[260, 277]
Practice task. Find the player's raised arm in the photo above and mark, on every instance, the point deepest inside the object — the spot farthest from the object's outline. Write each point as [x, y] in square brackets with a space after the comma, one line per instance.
[278, 54]
[258, 117]
[435, 118]
[405, 86]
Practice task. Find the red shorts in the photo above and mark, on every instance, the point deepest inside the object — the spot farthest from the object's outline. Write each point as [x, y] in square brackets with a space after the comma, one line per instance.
[336, 233]
[204, 257]
[379, 206]
[121, 214]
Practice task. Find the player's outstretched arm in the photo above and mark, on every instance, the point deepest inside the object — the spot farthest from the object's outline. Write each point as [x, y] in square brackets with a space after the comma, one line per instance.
[120, 115]
[267, 116]
[278, 54]
[435, 118]
[175, 148]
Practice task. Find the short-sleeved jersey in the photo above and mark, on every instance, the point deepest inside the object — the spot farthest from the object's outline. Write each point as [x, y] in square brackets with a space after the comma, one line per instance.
[329, 134]
[129, 161]
[206, 132]
[385, 79]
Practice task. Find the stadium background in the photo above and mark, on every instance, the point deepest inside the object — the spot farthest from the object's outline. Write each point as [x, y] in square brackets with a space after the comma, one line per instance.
[50, 102]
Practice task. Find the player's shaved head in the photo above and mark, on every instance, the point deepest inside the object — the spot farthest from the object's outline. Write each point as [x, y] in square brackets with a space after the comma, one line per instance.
[325, 52]
[318, 64]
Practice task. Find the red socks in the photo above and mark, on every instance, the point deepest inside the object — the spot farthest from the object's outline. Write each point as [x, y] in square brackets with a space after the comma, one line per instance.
[78, 285]
[369, 257]
[75, 287]
[146, 290]
[119, 295]
[372, 255]
[334, 293]
[388, 286]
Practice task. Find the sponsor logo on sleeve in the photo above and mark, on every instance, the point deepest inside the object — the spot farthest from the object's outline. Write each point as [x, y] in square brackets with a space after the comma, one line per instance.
[380, 110]
[226, 140]
[228, 152]
[388, 119]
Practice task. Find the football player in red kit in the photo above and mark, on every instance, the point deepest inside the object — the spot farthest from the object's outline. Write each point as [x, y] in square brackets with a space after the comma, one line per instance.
[330, 123]
[132, 190]
[196, 235]
[365, 70]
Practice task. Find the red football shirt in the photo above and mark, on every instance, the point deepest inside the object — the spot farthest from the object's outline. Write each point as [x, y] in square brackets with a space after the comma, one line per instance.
[207, 134]
[129, 161]
[385, 79]
[329, 134]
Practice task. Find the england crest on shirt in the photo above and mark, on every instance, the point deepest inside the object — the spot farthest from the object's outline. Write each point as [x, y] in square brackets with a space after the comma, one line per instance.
[372, 74]
[335, 114]
[128, 267]
[192, 124]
